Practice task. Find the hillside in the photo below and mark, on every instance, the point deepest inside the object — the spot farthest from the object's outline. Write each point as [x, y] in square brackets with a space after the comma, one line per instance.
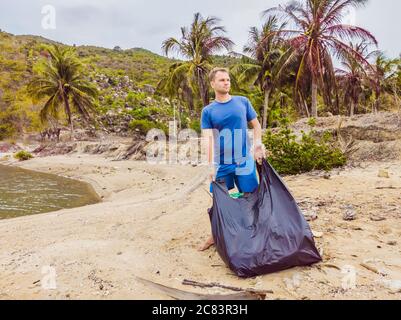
[126, 79]
[368, 137]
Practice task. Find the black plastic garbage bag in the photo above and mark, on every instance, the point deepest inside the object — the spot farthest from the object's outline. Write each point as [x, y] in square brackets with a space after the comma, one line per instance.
[263, 233]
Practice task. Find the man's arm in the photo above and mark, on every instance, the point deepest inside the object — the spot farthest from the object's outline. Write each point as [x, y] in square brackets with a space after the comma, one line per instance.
[259, 150]
[207, 136]
[257, 131]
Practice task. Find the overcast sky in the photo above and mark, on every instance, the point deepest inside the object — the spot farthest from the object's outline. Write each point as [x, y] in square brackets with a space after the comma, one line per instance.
[146, 23]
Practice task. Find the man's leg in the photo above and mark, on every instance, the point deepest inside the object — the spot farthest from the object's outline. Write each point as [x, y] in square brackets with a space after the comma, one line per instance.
[207, 244]
[229, 180]
[247, 184]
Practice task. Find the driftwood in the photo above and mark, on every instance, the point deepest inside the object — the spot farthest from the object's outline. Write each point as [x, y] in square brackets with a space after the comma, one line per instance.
[389, 187]
[185, 295]
[371, 268]
[217, 285]
[138, 149]
[331, 265]
[51, 133]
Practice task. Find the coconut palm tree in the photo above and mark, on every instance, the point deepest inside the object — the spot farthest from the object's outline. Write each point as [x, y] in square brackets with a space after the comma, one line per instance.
[63, 83]
[383, 75]
[197, 45]
[265, 47]
[178, 90]
[176, 85]
[353, 76]
[317, 34]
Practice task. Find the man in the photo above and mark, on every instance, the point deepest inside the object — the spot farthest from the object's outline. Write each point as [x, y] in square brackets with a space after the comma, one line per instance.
[224, 126]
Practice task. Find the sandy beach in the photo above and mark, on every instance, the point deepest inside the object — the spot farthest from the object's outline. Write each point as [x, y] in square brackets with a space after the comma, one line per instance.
[153, 218]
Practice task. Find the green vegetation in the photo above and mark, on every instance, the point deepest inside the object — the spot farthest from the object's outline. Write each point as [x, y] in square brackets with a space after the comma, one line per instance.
[287, 74]
[62, 83]
[23, 155]
[144, 126]
[289, 155]
[197, 44]
[6, 129]
[24, 58]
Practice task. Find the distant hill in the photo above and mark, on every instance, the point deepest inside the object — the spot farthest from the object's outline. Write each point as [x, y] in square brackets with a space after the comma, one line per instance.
[141, 65]
[19, 55]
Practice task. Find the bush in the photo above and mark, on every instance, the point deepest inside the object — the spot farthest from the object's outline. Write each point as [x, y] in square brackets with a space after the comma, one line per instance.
[23, 155]
[195, 125]
[144, 126]
[140, 113]
[6, 131]
[289, 156]
[135, 98]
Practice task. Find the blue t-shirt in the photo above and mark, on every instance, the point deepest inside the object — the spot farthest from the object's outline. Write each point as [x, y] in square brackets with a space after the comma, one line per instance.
[230, 121]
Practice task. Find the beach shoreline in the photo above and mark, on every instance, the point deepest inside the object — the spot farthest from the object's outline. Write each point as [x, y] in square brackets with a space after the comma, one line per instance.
[153, 218]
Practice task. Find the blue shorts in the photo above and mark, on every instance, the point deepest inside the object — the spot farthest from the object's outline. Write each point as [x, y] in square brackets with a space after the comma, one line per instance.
[244, 183]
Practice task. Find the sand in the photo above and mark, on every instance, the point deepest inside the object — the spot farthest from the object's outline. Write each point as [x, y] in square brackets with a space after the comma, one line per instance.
[153, 218]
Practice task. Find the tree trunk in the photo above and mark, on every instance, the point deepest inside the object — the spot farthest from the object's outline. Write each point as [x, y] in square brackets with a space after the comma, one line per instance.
[203, 89]
[314, 97]
[266, 108]
[306, 108]
[179, 115]
[352, 110]
[204, 93]
[72, 131]
[376, 104]
[69, 115]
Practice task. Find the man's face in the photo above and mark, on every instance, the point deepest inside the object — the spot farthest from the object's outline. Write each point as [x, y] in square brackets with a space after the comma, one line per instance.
[221, 83]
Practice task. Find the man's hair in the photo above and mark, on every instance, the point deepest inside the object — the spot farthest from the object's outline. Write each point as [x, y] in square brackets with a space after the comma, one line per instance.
[212, 74]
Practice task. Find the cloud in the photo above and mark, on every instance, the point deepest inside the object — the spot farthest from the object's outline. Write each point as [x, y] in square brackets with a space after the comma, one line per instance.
[146, 23]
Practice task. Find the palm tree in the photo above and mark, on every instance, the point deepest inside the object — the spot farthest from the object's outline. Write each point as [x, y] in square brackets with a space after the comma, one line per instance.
[354, 76]
[318, 34]
[176, 85]
[265, 47]
[385, 71]
[197, 44]
[62, 83]
[177, 90]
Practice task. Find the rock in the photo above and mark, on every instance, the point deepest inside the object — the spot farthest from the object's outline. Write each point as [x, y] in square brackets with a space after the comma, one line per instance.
[54, 149]
[111, 113]
[149, 89]
[311, 216]
[383, 174]
[149, 100]
[392, 243]
[165, 100]
[393, 285]
[350, 213]
[317, 234]
[9, 147]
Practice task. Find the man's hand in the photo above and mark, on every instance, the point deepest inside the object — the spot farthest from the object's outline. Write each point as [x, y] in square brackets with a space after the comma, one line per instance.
[258, 149]
[259, 152]
[212, 173]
